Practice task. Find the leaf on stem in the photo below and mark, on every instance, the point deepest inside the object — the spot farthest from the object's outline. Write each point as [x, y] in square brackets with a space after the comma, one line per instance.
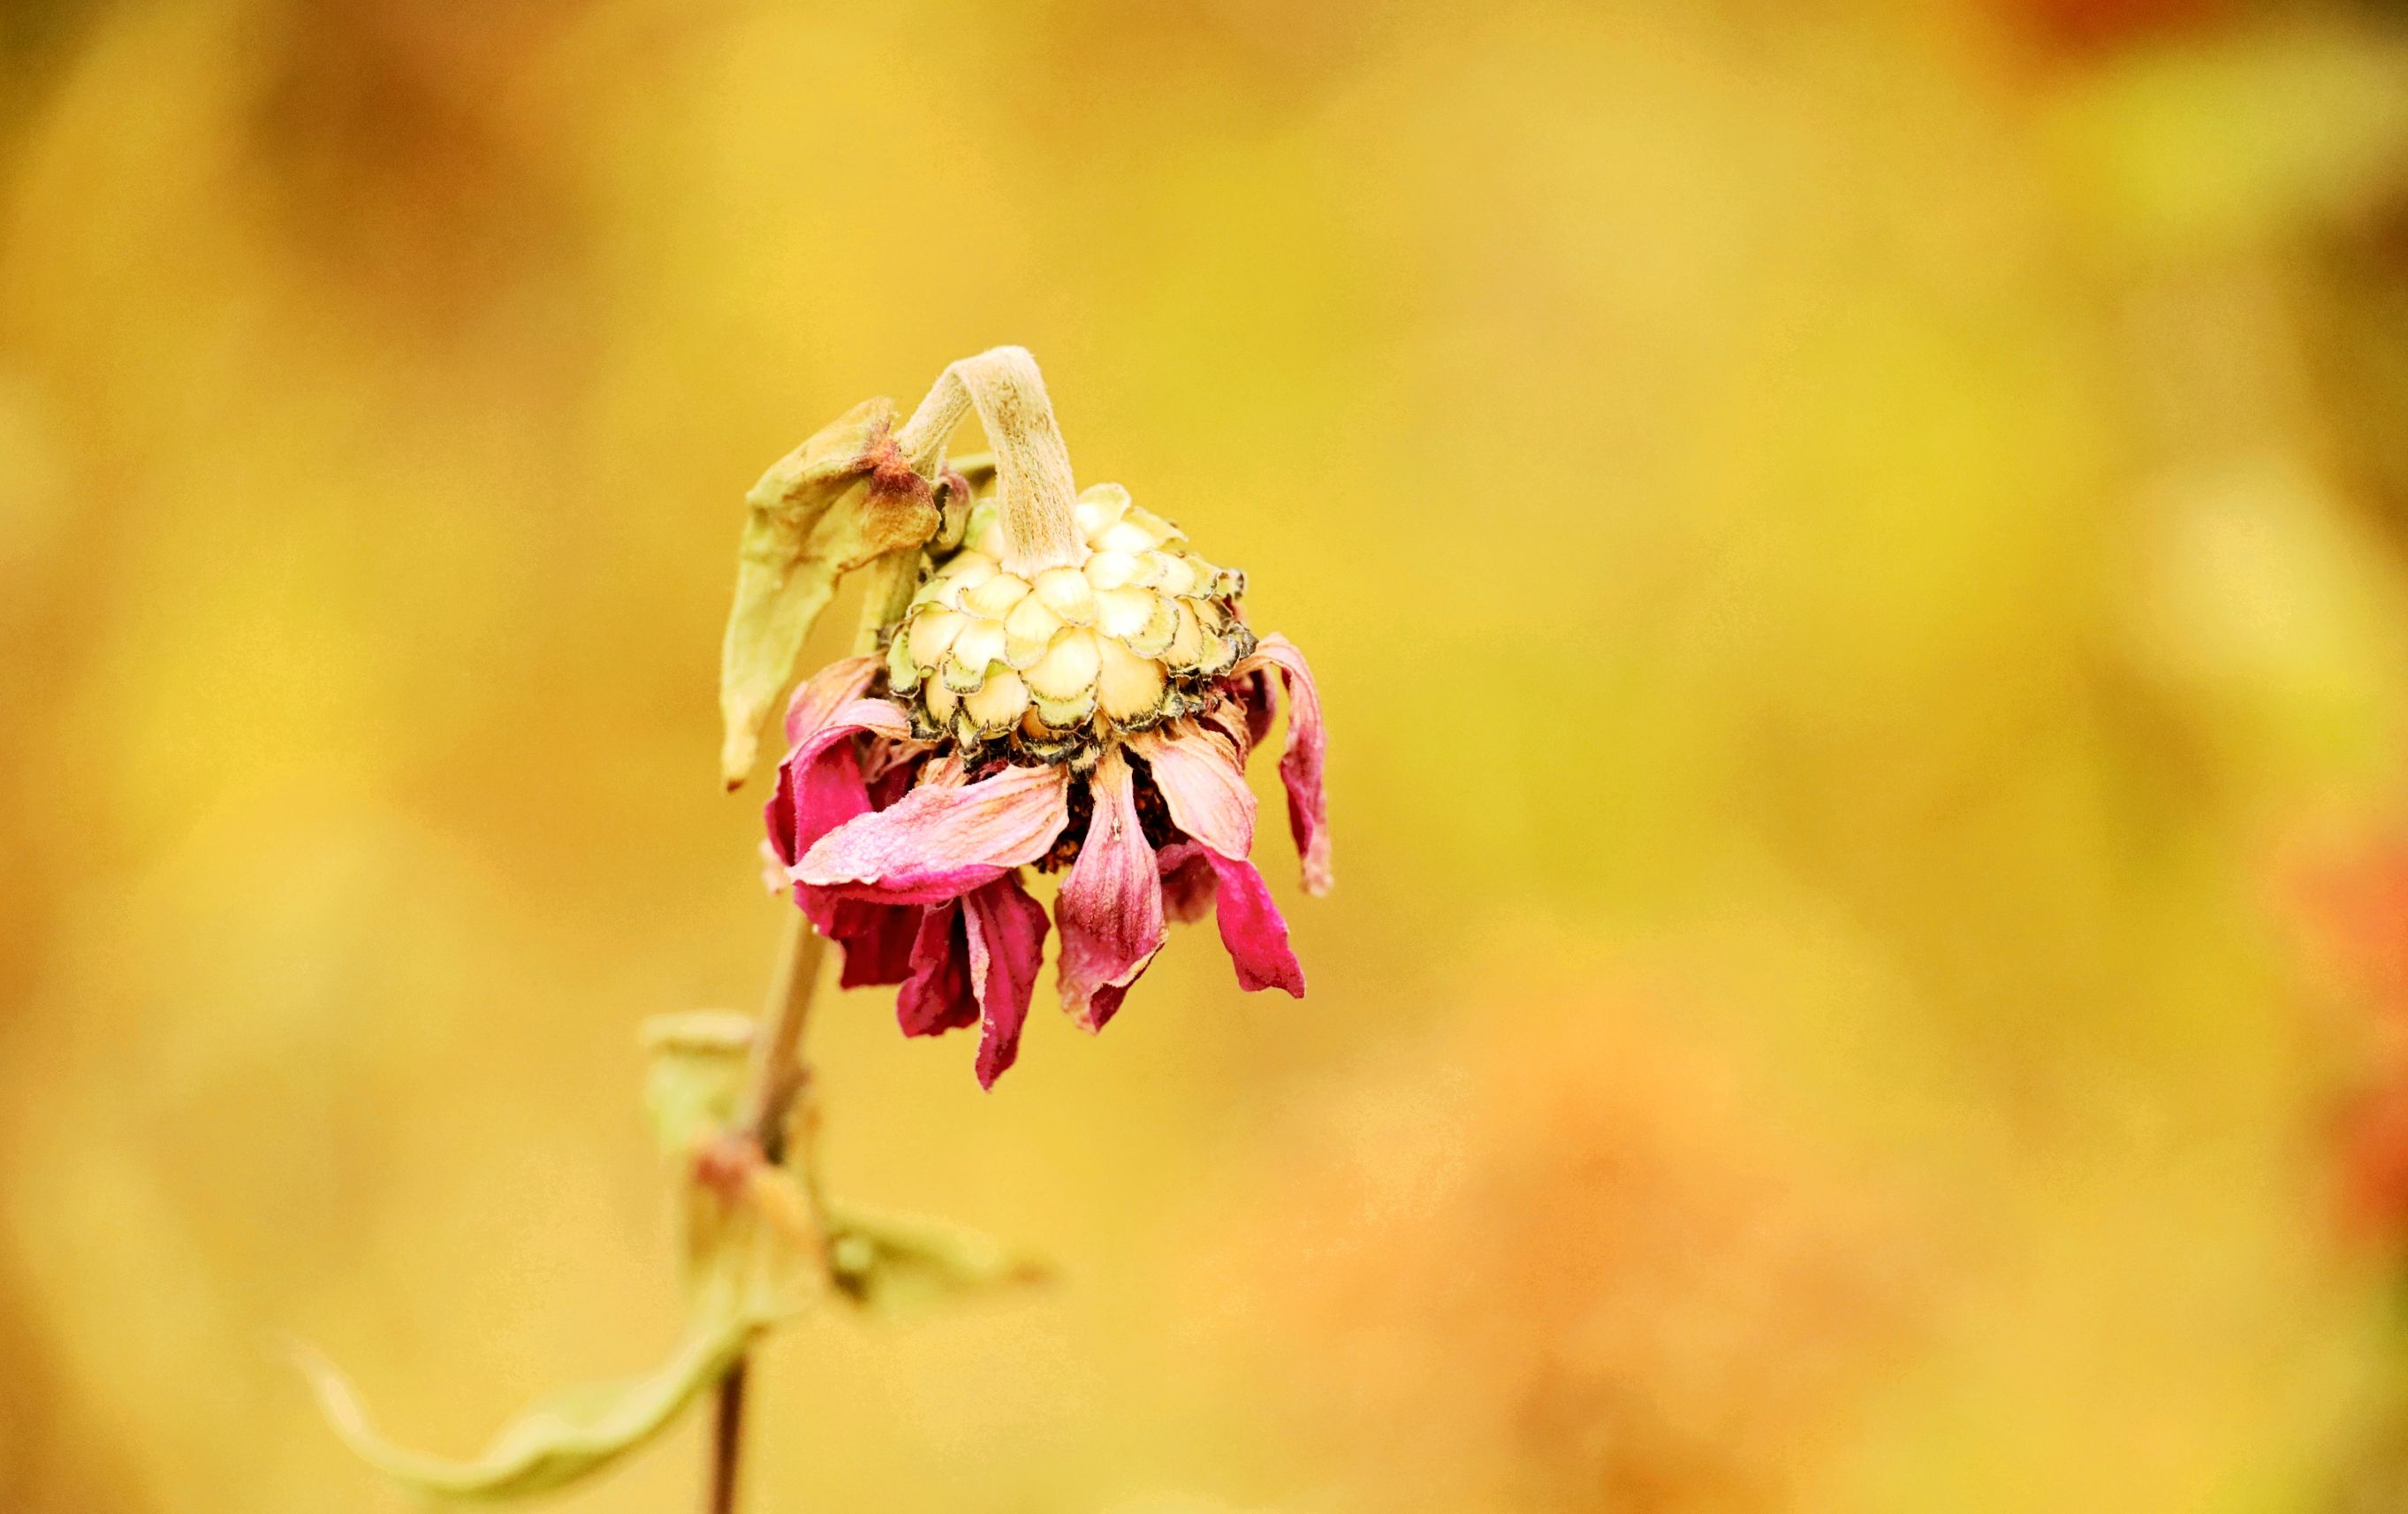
[751, 1258]
[843, 498]
[902, 1264]
[570, 1434]
[693, 1075]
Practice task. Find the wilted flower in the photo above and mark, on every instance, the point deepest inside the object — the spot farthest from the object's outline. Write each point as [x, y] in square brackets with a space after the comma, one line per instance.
[1079, 694]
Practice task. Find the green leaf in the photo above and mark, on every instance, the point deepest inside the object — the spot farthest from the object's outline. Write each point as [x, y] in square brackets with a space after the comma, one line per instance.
[693, 1075]
[901, 1265]
[570, 1434]
[840, 499]
[751, 1258]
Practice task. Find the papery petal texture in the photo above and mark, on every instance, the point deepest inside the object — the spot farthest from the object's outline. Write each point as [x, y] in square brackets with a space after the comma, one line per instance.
[820, 696]
[1190, 888]
[1300, 766]
[820, 788]
[1110, 905]
[1251, 926]
[1203, 785]
[878, 941]
[1006, 934]
[820, 785]
[939, 995]
[940, 841]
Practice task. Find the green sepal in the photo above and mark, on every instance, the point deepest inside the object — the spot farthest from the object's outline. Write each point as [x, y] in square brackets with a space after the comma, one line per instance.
[693, 1075]
[903, 1264]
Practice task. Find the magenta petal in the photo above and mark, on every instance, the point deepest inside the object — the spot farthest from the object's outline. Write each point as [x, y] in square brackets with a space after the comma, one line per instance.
[937, 996]
[878, 941]
[820, 788]
[939, 841]
[1006, 931]
[1203, 785]
[1188, 882]
[1110, 905]
[1308, 802]
[819, 785]
[1251, 929]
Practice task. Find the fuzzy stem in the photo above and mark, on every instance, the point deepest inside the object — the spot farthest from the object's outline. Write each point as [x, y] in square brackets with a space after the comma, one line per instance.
[1034, 487]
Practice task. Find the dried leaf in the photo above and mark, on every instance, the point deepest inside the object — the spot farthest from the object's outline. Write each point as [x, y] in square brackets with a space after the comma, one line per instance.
[751, 1258]
[570, 1434]
[900, 1264]
[843, 498]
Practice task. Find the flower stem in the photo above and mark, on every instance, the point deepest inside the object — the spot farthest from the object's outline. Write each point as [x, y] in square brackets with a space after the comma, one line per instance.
[726, 1438]
[1034, 490]
[779, 1078]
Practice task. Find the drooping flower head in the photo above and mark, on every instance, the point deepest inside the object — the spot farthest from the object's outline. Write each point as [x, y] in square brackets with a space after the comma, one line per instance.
[1071, 689]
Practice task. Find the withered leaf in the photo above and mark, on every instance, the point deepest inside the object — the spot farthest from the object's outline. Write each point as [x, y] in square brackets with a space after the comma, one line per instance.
[840, 499]
[572, 1433]
[902, 1264]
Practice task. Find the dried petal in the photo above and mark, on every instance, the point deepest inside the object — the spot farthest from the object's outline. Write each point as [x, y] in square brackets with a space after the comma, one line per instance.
[939, 995]
[1251, 929]
[1188, 881]
[940, 842]
[1005, 930]
[1300, 766]
[1202, 786]
[1110, 905]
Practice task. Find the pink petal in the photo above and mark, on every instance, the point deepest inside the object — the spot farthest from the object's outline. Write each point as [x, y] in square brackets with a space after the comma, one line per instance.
[1006, 946]
[1307, 803]
[1188, 882]
[1255, 702]
[1251, 929]
[940, 842]
[820, 785]
[937, 996]
[1203, 785]
[823, 693]
[1110, 905]
[820, 788]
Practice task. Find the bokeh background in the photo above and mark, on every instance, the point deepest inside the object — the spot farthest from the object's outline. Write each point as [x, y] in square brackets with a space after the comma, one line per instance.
[1857, 557]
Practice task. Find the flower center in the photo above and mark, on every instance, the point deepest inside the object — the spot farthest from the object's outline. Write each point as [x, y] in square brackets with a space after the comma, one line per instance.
[1051, 667]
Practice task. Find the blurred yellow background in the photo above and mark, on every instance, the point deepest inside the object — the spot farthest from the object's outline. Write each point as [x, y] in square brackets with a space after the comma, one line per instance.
[1855, 557]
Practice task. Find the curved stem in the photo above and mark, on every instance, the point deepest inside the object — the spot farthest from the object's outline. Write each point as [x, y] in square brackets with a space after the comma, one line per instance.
[1034, 487]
